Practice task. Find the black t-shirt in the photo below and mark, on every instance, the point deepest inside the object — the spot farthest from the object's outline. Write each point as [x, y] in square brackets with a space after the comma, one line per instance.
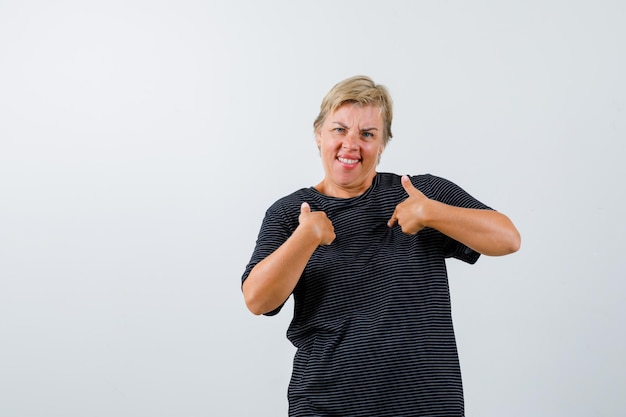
[372, 318]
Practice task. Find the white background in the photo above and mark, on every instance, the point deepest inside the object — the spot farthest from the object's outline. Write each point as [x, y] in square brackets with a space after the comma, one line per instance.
[142, 141]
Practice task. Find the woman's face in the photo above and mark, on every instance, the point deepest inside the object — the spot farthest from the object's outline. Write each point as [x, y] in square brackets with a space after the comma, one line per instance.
[350, 143]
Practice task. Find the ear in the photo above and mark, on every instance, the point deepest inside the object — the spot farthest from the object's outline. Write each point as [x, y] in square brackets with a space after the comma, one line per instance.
[318, 140]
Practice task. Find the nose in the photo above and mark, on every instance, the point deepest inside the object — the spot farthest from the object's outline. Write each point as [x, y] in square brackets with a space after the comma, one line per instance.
[350, 140]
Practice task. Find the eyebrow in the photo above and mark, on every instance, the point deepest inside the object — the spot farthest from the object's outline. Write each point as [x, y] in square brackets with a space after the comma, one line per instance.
[367, 129]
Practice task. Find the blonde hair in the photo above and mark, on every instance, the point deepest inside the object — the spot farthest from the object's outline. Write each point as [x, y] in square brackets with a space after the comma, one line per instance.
[361, 90]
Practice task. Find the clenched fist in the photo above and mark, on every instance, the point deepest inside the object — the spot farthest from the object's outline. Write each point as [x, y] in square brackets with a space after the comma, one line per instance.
[317, 223]
[410, 214]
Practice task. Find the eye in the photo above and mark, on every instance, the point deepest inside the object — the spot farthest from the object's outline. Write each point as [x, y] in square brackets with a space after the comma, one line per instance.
[339, 130]
[367, 135]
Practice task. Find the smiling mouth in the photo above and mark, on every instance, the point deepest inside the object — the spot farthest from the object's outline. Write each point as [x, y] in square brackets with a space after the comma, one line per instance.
[348, 161]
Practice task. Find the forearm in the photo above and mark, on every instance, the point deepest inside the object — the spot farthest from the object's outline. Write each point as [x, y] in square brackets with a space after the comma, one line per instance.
[486, 231]
[273, 279]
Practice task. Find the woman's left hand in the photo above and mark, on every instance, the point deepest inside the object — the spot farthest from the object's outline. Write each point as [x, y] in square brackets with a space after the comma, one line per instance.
[410, 213]
[486, 231]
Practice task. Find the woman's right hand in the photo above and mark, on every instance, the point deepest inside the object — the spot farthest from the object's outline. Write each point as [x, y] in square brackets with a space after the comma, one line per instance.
[317, 223]
[273, 279]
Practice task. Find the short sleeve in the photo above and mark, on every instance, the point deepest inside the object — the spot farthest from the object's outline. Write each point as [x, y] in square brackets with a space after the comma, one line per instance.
[278, 224]
[449, 193]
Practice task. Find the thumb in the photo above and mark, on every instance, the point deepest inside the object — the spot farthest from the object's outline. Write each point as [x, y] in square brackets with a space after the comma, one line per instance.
[408, 185]
[305, 208]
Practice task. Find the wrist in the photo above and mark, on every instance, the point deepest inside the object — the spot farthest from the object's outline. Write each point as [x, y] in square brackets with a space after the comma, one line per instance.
[429, 212]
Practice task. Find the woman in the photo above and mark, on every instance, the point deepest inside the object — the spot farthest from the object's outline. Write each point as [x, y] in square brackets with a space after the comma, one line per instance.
[363, 254]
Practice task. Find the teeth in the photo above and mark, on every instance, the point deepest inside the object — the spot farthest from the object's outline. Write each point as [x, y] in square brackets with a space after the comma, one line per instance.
[348, 161]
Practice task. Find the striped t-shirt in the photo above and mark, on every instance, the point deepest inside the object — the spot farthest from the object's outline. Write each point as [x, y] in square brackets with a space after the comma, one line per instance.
[372, 319]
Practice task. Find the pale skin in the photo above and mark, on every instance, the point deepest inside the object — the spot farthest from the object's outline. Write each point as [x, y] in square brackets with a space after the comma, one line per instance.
[350, 142]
